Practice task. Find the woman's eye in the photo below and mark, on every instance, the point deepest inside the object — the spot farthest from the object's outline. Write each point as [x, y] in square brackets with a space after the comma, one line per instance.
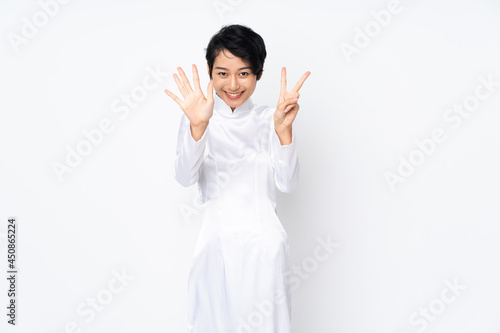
[244, 73]
[222, 73]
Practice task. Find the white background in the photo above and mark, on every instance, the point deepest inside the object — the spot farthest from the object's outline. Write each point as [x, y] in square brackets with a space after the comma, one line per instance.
[120, 208]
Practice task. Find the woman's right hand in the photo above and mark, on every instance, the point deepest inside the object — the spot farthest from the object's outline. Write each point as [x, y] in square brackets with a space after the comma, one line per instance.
[197, 108]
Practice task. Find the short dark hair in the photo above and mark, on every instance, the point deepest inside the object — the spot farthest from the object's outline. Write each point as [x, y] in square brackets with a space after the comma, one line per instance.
[241, 41]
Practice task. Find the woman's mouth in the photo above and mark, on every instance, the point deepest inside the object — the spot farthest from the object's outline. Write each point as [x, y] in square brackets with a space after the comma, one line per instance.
[233, 95]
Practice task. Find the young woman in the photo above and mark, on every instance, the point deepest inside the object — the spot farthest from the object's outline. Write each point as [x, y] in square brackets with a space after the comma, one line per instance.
[238, 153]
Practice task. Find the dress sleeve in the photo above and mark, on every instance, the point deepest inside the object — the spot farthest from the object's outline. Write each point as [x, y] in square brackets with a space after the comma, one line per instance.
[189, 154]
[285, 162]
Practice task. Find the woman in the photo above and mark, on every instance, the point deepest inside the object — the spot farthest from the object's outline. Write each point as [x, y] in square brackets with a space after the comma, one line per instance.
[238, 153]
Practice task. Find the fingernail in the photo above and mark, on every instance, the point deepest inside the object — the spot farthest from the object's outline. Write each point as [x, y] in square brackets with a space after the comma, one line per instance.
[295, 99]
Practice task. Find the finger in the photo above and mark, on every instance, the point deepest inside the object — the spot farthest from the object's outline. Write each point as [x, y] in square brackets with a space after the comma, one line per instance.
[196, 78]
[299, 84]
[185, 80]
[287, 102]
[283, 82]
[172, 95]
[292, 94]
[292, 107]
[210, 91]
[180, 85]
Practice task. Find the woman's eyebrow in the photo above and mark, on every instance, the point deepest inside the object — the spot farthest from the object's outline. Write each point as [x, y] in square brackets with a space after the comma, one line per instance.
[238, 68]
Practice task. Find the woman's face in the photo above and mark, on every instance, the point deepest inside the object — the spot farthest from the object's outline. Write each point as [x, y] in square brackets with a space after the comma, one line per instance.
[234, 81]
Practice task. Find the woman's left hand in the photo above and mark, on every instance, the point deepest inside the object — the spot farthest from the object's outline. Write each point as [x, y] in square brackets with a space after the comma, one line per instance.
[287, 108]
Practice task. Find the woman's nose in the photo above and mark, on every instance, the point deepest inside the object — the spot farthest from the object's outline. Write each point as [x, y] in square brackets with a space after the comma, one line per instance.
[233, 84]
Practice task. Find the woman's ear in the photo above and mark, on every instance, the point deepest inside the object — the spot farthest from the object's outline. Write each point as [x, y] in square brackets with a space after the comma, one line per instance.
[208, 71]
[260, 75]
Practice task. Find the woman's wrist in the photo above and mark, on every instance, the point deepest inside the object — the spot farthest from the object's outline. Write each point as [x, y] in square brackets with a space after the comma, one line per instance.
[284, 134]
[198, 130]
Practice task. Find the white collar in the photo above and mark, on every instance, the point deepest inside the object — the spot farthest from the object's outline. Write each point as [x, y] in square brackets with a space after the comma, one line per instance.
[221, 107]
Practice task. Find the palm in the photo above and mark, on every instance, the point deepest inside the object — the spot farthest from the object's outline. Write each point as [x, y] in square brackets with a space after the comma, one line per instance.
[197, 108]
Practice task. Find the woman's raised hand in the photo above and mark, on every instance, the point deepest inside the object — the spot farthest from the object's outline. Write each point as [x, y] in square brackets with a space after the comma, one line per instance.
[197, 108]
[287, 108]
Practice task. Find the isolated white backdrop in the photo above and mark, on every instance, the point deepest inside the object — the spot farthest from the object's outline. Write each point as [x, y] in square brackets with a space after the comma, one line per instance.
[119, 211]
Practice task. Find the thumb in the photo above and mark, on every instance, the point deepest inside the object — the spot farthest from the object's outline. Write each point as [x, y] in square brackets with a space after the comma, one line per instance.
[210, 91]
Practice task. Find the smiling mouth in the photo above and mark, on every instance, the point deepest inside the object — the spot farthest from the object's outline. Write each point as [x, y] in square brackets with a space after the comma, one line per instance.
[234, 95]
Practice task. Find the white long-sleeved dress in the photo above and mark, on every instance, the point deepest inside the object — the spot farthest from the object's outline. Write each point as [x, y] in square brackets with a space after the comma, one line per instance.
[238, 281]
